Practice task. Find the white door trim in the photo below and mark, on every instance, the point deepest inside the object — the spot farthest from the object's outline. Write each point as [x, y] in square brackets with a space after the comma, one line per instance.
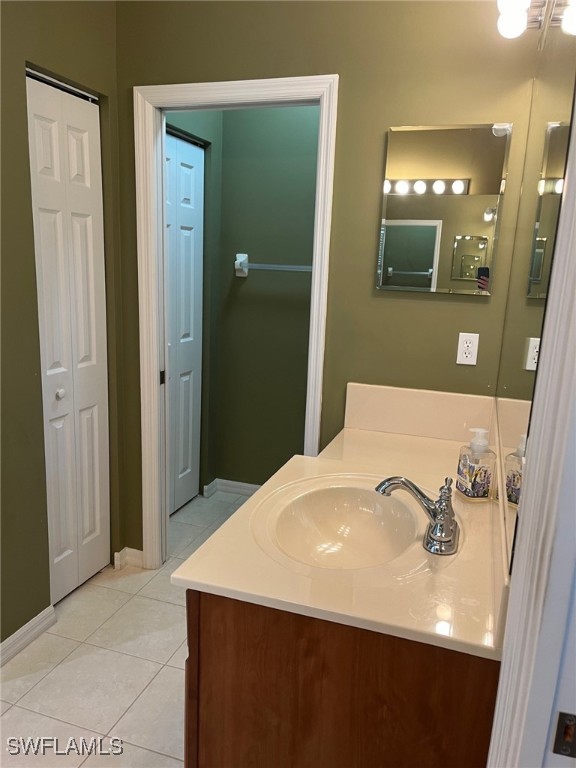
[525, 696]
[149, 101]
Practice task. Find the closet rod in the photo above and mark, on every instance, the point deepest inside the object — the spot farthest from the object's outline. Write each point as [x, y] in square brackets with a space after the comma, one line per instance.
[282, 267]
[242, 266]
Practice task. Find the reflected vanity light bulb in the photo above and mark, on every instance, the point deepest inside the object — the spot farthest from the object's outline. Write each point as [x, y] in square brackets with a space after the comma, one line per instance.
[489, 214]
[438, 187]
[458, 187]
[541, 186]
[402, 188]
[420, 187]
[569, 20]
[559, 186]
[512, 24]
[387, 187]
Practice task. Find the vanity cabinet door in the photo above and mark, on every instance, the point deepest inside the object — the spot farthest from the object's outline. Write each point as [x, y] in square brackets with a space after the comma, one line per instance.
[270, 688]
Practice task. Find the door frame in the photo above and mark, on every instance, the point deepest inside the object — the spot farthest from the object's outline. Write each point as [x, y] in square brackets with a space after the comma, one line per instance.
[149, 124]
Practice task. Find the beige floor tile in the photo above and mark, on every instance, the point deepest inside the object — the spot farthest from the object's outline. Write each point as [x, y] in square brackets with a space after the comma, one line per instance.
[190, 548]
[5, 705]
[180, 535]
[202, 515]
[156, 720]
[143, 627]
[239, 502]
[21, 673]
[224, 496]
[179, 658]
[132, 757]
[160, 587]
[79, 614]
[91, 688]
[19, 723]
[128, 579]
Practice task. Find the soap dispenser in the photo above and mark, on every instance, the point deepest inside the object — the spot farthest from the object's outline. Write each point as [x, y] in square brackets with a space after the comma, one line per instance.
[514, 466]
[476, 467]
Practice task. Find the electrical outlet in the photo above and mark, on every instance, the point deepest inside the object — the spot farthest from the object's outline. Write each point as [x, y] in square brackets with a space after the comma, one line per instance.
[467, 348]
[531, 352]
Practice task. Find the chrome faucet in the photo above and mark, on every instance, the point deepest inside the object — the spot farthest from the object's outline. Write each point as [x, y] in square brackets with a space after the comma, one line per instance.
[443, 532]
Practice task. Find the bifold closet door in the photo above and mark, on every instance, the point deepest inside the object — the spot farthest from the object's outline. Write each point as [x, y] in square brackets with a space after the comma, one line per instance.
[65, 167]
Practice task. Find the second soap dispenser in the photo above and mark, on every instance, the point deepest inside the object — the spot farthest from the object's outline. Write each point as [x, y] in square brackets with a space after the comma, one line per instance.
[476, 467]
[514, 467]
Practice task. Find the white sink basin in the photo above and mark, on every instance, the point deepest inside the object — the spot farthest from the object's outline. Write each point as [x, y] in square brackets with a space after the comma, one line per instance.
[336, 521]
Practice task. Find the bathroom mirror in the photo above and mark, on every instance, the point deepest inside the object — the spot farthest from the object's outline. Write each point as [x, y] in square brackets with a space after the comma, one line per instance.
[470, 253]
[451, 175]
[550, 188]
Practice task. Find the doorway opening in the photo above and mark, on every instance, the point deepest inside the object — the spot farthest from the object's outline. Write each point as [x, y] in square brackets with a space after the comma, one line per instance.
[151, 103]
[236, 341]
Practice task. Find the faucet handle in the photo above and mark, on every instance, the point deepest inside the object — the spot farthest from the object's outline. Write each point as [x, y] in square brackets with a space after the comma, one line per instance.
[444, 503]
[446, 490]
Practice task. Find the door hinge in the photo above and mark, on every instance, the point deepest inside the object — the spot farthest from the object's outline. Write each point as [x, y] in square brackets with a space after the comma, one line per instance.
[162, 377]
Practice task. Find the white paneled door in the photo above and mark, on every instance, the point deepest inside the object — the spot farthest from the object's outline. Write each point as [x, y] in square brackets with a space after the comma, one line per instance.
[65, 167]
[184, 184]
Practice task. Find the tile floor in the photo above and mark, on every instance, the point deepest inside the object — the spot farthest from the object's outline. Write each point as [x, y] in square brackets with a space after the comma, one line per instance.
[113, 664]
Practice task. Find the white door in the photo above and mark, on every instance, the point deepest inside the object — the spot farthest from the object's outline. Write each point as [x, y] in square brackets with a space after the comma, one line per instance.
[184, 242]
[65, 168]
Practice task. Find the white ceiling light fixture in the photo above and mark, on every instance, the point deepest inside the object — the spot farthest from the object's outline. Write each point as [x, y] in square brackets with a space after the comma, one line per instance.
[511, 25]
[518, 15]
[568, 23]
[513, 18]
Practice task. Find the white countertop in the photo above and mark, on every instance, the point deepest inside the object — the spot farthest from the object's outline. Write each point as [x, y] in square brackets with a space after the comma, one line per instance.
[451, 601]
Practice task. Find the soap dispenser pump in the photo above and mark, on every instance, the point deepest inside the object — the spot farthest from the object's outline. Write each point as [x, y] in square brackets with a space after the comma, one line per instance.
[476, 467]
[514, 467]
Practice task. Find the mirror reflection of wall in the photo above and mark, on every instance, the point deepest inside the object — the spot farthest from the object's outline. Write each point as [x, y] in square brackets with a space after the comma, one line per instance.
[550, 188]
[551, 105]
[452, 174]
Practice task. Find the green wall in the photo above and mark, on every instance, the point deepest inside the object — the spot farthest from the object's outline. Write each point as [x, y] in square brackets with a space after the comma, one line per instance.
[269, 186]
[76, 41]
[393, 71]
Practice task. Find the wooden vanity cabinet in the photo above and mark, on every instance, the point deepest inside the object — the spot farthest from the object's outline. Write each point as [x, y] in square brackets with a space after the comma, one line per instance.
[270, 689]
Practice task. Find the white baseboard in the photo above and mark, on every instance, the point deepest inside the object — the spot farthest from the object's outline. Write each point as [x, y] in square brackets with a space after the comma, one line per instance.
[26, 634]
[210, 489]
[128, 556]
[229, 486]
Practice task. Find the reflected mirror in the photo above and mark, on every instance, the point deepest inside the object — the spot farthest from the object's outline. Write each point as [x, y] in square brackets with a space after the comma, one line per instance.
[442, 190]
[550, 188]
[471, 258]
